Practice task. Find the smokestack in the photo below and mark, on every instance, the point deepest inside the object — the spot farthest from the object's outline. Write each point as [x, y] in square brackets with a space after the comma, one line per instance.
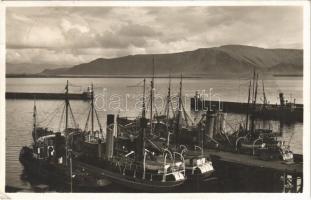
[109, 136]
[140, 142]
[281, 95]
[210, 121]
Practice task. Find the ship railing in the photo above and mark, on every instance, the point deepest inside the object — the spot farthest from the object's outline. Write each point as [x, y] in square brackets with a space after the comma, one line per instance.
[182, 159]
[164, 168]
[254, 143]
[237, 142]
[184, 148]
[166, 151]
[130, 153]
[131, 168]
[198, 147]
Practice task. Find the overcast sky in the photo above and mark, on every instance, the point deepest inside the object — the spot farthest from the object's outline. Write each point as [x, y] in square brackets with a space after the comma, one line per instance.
[66, 36]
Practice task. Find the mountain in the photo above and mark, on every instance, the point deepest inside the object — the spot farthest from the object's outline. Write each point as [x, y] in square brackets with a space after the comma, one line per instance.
[219, 61]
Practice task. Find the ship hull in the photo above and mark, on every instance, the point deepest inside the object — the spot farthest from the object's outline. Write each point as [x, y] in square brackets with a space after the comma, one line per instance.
[208, 176]
[41, 168]
[56, 174]
[134, 183]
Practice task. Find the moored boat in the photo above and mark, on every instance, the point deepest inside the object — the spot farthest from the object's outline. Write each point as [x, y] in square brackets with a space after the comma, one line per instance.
[49, 157]
[128, 162]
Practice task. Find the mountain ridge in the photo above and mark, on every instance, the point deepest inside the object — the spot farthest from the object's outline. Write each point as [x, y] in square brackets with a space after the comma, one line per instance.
[223, 60]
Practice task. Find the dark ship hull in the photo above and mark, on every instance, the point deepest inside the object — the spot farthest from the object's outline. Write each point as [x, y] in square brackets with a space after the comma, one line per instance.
[56, 174]
[205, 177]
[42, 168]
[136, 183]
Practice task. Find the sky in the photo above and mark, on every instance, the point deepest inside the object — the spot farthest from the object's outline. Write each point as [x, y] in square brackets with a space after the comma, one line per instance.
[66, 36]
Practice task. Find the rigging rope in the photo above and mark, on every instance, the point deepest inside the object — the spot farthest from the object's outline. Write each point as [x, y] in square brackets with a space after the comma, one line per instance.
[99, 124]
[52, 117]
[73, 118]
[87, 120]
[291, 137]
[48, 115]
[136, 85]
[61, 118]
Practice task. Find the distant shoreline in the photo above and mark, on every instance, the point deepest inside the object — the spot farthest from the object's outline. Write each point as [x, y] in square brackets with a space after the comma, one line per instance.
[103, 76]
[140, 76]
[111, 76]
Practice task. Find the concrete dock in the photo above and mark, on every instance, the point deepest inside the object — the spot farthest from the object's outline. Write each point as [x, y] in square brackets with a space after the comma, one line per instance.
[46, 96]
[247, 173]
[269, 111]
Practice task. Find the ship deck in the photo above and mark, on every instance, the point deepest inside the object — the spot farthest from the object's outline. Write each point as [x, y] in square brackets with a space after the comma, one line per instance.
[252, 161]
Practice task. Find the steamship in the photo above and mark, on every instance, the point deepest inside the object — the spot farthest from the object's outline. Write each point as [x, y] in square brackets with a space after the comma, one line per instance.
[49, 158]
[186, 137]
[127, 163]
[287, 110]
[263, 142]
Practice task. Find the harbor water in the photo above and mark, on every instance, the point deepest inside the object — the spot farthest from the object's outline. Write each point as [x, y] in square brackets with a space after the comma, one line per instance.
[122, 96]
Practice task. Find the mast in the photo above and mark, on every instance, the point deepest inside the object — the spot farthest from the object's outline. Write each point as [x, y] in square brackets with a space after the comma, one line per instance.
[255, 87]
[168, 100]
[66, 123]
[92, 109]
[180, 96]
[35, 121]
[264, 94]
[141, 147]
[180, 90]
[179, 112]
[66, 105]
[144, 105]
[151, 97]
[248, 100]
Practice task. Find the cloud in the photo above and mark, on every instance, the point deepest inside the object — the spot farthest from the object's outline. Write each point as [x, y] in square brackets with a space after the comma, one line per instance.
[118, 41]
[68, 26]
[71, 35]
[137, 30]
[44, 56]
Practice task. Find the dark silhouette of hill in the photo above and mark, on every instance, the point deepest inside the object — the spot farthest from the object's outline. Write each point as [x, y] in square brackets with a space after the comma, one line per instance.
[219, 61]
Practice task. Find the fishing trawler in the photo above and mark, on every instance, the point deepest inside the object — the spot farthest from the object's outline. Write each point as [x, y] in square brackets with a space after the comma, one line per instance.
[125, 161]
[262, 142]
[247, 139]
[185, 144]
[287, 110]
[189, 138]
[50, 157]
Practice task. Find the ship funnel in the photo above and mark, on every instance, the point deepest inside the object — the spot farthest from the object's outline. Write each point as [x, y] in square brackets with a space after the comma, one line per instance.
[210, 121]
[140, 142]
[281, 95]
[109, 136]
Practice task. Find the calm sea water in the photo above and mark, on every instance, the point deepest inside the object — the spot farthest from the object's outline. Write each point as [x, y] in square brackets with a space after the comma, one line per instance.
[122, 96]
